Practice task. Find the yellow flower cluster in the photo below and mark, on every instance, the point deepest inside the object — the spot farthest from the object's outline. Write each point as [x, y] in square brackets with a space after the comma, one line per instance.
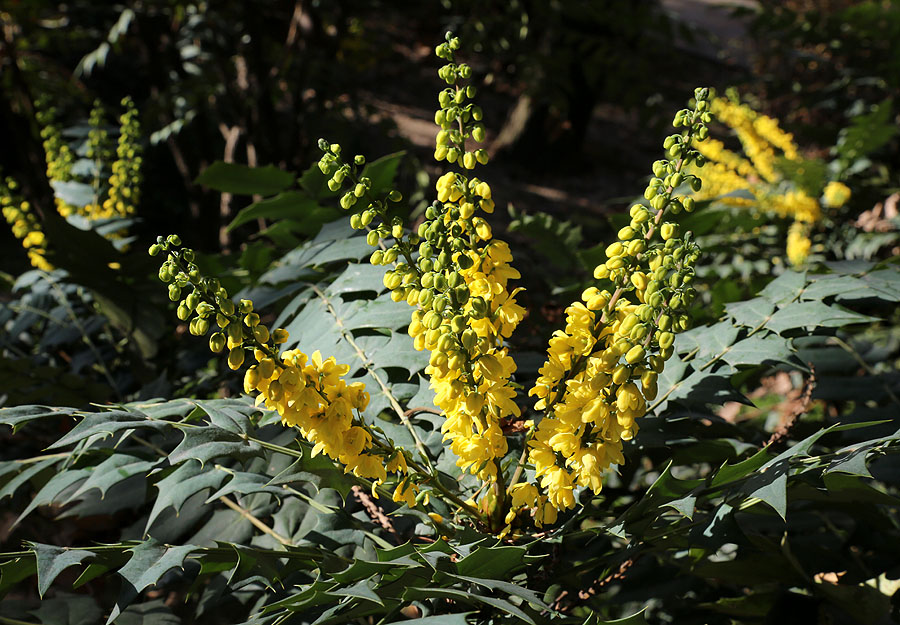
[602, 368]
[122, 193]
[836, 194]
[458, 283]
[125, 181]
[465, 311]
[729, 174]
[310, 394]
[58, 154]
[24, 224]
[759, 134]
[798, 243]
[307, 392]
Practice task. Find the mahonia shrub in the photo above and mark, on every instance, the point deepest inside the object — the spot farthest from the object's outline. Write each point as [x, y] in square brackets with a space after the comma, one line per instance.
[601, 370]
[393, 459]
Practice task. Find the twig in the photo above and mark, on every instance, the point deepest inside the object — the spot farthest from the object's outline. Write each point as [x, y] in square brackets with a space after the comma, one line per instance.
[373, 509]
[593, 589]
[800, 407]
[255, 521]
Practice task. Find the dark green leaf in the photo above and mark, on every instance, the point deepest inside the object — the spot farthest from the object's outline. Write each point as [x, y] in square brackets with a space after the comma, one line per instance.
[293, 205]
[491, 562]
[757, 350]
[52, 560]
[243, 180]
[107, 423]
[812, 315]
[206, 443]
[751, 313]
[183, 483]
[382, 172]
[148, 563]
[785, 288]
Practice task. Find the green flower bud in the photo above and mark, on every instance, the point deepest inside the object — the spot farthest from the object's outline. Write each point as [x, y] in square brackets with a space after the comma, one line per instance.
[626, 233]
[665, 339]
[635, 354]
[665, 322]
[668, 231]
[217, 342]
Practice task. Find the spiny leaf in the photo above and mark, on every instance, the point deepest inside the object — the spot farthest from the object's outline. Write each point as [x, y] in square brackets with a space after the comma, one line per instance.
[245, 483]
[756, 350]
[148, 563]
[206, 443]
[491, 562]
[52, 560]
[784, 288]
[58, 490]
[751, 313]
[115, 469]
[812, 315]
[17, 416]
[180, 485]
[154, 612]
[25, 475]
[229, 414]
[108, 423]
[771, 487]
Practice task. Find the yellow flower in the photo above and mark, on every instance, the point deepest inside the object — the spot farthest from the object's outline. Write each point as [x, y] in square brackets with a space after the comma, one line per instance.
[836, 194]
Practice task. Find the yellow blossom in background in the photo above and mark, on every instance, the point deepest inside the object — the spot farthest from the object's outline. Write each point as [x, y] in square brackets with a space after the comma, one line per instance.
[732, 179]
[24, 224]
[798, 243]
[836, 194]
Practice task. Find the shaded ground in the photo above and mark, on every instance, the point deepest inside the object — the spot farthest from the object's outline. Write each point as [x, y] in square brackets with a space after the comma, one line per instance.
[619, 145]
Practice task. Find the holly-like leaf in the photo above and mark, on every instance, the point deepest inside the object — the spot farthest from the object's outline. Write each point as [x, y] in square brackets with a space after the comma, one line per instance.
[756, 350]
[785, 288]
[180, 485]
[812, 315]
[115, 469]
[52, 560]
[751, 313]
[148, 563]
[107, 424]
[206, 443]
